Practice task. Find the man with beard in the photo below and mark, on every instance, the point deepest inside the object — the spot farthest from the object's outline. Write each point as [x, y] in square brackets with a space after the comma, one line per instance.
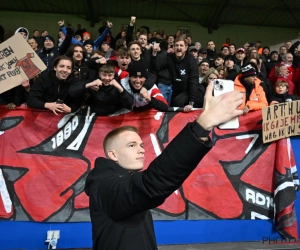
[254, 97]
[183, 71]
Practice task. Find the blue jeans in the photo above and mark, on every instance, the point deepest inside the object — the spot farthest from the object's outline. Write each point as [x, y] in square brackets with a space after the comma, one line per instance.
[166, 91]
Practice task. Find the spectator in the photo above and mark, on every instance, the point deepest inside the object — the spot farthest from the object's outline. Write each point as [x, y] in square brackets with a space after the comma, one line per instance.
[203, 68]
[61, 38]
[50, 52]
[184, 75]
[288, 45]
[21, 94]
[78, 54]
[229, 64]
[240, 58]
[222, 72]
[143, 98]
[189, 41]
[105, 94]
[44, 33]
[282, 51]
[33, 44]
[193, 51]
[273, 61]
[254, 97]
[23, 31]
[211, 52]
[219, 60]
[197, 46]
[202, 53]
[225, 50]
[89, 47]
[110, 54]
[289, 72]
[39, 39]
[281, 93]
[266, 54]
[231, 48]
[50, 90]
[87, 36]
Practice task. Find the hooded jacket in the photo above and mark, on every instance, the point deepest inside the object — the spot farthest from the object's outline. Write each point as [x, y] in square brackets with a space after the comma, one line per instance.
[257, 98]
[17, 31]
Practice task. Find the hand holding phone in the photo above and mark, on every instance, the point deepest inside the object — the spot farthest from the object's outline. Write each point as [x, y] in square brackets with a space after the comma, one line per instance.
[221, 87]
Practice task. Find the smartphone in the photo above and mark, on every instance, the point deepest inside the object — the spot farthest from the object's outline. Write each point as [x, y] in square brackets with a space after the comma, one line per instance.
[59, 102]
[171, 46]
[222, 86]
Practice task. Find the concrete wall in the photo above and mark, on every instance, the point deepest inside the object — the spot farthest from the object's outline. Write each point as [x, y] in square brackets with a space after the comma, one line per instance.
[238, 34]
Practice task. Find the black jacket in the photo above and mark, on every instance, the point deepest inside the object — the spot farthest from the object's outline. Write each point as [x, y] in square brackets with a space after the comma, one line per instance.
[283, 98]
[184, 73]
[48, 55]
[47, 88]
[107, 100]
[120, 202]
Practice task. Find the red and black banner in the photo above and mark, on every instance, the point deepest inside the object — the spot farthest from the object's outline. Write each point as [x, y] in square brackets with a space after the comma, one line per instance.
[44, 160]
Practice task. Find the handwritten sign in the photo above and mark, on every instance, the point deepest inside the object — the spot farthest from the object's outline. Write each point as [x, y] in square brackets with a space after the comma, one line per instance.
[18, 62]
[281, 120]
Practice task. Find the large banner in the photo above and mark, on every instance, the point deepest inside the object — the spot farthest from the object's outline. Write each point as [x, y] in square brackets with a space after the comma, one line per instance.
[44, 161]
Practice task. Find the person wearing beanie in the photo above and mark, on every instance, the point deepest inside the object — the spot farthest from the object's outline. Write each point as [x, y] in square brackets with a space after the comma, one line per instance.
[143, 98]
[50, 51]
[203, 68]
[23, 31]
[265, 56]
[254, 97]
[110, 54]
[225, 50]
[89, 47]
[231, 68]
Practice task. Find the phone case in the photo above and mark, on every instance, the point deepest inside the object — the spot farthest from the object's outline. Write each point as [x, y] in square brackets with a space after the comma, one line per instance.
[220, 87]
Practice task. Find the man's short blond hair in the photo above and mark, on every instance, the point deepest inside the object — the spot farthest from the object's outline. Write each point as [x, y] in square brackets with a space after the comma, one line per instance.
[111, 136]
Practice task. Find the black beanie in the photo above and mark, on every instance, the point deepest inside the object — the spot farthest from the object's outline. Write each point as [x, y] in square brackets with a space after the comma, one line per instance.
[49, 38]
[137, 68]
[247, 71]
[89, 41]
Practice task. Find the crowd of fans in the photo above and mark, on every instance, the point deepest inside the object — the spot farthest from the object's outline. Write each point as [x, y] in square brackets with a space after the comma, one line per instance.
[140, 69]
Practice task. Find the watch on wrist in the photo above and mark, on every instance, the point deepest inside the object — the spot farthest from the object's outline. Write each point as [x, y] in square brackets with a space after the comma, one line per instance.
[200, 132]
[191, 103]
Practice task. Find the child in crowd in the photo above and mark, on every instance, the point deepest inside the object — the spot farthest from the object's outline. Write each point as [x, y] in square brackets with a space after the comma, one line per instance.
[281, 94]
